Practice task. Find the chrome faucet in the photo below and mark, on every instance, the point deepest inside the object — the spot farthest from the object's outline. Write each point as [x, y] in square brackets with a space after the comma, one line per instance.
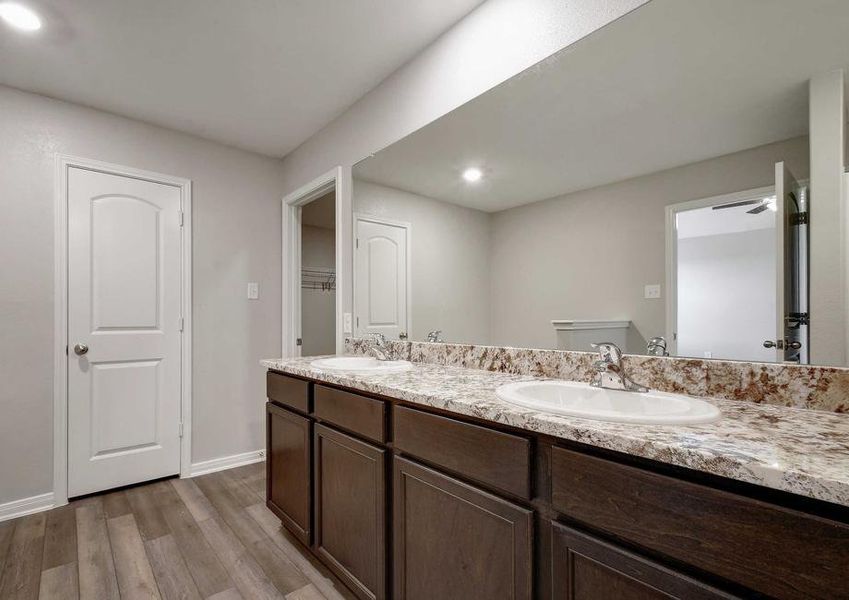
[433, 336]
[611, 375]
[379, 349]
[657, 347]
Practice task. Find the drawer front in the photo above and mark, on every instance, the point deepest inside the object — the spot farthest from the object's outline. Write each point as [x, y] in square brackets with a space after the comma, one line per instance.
[770, 549]
[288, 391]
[353, 412]
[498, 459]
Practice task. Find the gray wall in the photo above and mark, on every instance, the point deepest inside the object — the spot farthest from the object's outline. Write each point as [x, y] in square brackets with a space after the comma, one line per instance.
[236, 239]
[587, 255]
[450, 263]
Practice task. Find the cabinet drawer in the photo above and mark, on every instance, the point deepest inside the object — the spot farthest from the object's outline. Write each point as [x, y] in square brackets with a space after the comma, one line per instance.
[498, 459]
[288, 391]
[353, 412]
[586, 568]
[770, 549]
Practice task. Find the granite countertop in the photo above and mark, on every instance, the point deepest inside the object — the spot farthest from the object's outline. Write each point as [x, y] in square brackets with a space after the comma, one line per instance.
[804, 452]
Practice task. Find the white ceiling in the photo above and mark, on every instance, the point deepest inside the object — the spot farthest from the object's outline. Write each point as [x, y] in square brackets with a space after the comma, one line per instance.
[669, 84]
[263, 75]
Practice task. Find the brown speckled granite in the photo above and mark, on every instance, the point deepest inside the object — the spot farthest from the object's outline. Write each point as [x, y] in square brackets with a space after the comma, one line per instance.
[805, 452]
[798, 386]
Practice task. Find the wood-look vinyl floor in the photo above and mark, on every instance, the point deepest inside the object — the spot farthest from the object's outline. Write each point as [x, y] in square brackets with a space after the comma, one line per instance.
[210, 537]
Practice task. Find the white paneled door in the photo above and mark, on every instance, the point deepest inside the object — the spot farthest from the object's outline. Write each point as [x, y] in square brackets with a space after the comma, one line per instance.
[124, 330]
[381, 278]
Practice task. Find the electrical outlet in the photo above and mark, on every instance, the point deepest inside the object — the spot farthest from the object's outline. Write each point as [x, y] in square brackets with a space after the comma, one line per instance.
[253, 290]
[652, 291]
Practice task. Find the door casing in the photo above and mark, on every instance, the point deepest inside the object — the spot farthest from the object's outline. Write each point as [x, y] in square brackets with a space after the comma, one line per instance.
[60, 322]
[339, 180]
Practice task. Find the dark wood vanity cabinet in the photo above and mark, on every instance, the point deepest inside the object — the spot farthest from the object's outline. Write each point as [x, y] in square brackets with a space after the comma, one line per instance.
[588, 568]
[288, 469]
[413, 503]
[350, 509]
[452, 540]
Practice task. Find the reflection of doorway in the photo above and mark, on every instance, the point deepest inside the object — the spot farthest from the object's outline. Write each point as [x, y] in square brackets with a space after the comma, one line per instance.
[381, 277]
[721, 276]
[318, 276]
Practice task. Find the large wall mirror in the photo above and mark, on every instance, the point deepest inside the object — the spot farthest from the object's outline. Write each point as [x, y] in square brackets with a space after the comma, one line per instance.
[658, 197]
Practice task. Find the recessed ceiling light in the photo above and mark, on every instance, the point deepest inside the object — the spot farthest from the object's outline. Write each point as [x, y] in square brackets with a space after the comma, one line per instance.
[19, 16]
[472, 174]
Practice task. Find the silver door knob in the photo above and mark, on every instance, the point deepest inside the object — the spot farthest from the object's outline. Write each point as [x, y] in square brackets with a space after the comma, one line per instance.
[793, 345]
[770, 344]
[80, 349]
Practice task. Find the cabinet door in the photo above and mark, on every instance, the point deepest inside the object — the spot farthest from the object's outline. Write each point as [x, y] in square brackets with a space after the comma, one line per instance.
[452, 540]
[350, 508]
[586, 568]
[288, 469]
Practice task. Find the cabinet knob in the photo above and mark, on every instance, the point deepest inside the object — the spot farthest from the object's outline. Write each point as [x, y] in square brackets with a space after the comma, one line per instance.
[80, 349]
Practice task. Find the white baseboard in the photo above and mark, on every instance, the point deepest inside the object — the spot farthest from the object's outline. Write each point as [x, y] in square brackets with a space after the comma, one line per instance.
[226, 462]
[26, 506]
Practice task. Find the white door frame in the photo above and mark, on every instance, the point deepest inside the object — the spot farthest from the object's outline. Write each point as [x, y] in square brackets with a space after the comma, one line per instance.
[403, 225]
[339, 180]
[672, 211]
[60, 321]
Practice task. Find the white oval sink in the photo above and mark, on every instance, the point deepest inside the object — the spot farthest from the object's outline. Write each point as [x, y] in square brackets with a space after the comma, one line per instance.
[361, 364]
[582, 400]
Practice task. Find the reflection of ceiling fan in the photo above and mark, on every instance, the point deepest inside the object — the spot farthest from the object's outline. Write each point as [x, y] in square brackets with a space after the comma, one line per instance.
[762, 205]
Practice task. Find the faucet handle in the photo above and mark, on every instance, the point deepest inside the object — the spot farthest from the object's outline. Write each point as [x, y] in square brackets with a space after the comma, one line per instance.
[609, 351]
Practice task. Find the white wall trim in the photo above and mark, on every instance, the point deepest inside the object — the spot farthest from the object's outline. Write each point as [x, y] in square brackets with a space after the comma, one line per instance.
[672, 211]
[409, 228]
[337, 179]
[60, 303]
[227, 462]
[26, 506]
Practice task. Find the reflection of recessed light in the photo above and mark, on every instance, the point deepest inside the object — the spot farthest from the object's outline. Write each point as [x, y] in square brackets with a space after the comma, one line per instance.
[472, 174]
[19, 16]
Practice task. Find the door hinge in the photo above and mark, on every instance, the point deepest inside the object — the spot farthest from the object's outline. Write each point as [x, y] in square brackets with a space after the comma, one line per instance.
[182, 218]
[299, 342]
[182, 323]
[800, 218]
[180, 428]
[358, 243]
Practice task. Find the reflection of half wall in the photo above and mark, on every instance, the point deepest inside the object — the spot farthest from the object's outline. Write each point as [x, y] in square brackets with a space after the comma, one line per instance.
[580, 334]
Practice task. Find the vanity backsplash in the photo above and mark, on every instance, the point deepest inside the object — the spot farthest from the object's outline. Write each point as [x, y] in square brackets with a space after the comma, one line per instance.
[799, 386]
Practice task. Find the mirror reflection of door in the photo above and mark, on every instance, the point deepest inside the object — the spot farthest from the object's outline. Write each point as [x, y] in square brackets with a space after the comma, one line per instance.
[381, 278]
[318, 276]
[734, 296]
[791, 336]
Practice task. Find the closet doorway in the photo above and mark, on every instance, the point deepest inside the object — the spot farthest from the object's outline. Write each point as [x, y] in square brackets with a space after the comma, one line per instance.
[318, 276]
[317, 227]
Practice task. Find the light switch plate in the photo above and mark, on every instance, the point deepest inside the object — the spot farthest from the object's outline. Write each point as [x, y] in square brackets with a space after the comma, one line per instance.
[253, 290]
[346, 323]
[653, 290]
